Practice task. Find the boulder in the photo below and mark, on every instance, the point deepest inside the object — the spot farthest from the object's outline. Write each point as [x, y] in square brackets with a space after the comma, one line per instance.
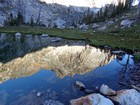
[107, 91]
[1, 25]
[126, 23]
[56, 40]
[127, 97]
[95, 25]
[135, 87]
[2, 20]
[102, 28]
[18, 34]
[60, 23]
[116, 20]
[89, 91]
[80, 85]
[38, 94]
[18, 37]
[110, 22]
[93, 99]
[84, 26]
[52, 102]
[44, 35]
[71, 27]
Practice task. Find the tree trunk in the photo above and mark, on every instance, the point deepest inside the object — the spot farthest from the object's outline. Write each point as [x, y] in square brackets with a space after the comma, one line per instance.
[38, 18]
[139, 12]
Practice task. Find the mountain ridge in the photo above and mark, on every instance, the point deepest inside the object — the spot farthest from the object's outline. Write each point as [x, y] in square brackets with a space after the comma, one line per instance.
[42, 13]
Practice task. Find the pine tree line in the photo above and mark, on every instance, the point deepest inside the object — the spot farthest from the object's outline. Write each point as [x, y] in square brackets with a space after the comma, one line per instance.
[18, 20]
[109, 11]
[15, 21]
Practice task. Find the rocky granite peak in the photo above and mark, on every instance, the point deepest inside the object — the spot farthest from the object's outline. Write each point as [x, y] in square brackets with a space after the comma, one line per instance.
[43, 13]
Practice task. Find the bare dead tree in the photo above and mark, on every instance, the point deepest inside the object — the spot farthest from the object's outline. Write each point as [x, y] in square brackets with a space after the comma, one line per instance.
[21, 6]
[38, 17]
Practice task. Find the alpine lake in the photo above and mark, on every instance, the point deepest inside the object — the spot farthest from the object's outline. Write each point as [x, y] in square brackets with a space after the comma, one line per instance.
[36, 68]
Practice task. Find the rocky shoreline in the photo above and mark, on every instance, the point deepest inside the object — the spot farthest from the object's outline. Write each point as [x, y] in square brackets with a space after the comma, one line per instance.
[104, 96]
[131, 77]
[107, 96]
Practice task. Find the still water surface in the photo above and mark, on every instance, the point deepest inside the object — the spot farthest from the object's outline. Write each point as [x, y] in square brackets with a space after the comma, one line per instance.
[23, 90]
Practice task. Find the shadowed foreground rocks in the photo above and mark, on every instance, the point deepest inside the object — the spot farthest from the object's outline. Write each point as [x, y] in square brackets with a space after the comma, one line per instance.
[122, 97]
[127, 97]
[93, 99]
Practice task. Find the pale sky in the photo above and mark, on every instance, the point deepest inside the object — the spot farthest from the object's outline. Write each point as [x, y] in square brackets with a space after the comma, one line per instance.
[85, 3]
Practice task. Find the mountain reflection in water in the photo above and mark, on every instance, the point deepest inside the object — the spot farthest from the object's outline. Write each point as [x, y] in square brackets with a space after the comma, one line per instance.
[70, 60]
[23, 91]
[65, 57]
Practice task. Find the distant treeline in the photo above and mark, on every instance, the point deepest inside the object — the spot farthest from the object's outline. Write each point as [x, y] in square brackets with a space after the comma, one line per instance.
[109, 11]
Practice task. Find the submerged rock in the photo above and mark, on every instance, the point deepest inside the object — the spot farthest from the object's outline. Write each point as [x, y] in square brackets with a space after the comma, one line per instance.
[44, 35]
[80, 85]
[38, 94]
[3, 97]
[51, 102]
[89, 91]
[93, 99]
[135, 87]
[127, 97]
[107, 91]
[18, 34]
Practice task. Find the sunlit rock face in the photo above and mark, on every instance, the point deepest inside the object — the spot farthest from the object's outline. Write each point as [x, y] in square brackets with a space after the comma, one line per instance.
[69, 60]
[65, 57]
[44, 13]
[47, 12]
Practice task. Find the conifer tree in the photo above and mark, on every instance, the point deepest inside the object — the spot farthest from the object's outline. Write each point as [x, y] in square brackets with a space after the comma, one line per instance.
[19, 18]
[106, 11]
